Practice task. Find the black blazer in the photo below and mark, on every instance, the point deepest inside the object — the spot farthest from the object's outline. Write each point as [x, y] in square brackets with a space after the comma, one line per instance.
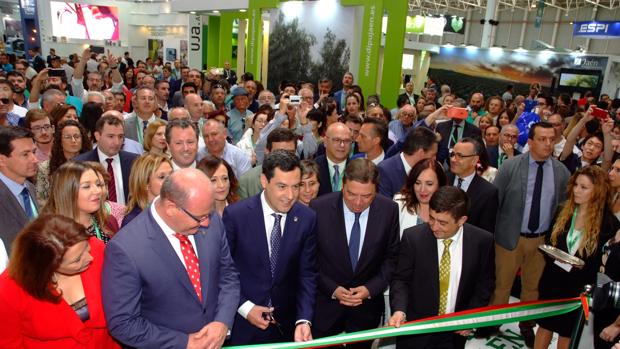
[444, 130]
[493, 153]
[126, 158]
[483, 202]
[415, 286]
[374, 268]
[325, 185]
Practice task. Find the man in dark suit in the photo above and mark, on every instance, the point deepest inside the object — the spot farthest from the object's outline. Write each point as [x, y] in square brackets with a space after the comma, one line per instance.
[168, 279]
[506, 148]
[482, 194]
[229, 74]
[451, 131]
[357, 242]
[17, 163]
[443, 267]
[420, 143]
[338, 140]
[110, 135]
[275, 255]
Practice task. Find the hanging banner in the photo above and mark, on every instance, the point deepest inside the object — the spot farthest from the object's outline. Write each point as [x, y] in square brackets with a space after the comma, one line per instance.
[194, 34]
[597, 29]
[454, 24]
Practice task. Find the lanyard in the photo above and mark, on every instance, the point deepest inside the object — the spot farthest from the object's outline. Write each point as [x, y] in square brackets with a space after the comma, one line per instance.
[97, 230]
[573, 237]
[140, 129]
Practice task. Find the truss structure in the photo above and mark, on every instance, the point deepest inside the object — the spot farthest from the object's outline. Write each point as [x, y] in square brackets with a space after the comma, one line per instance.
[436, 6]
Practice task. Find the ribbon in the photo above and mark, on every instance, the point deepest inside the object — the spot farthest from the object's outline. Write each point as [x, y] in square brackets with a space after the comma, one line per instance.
[463, 320]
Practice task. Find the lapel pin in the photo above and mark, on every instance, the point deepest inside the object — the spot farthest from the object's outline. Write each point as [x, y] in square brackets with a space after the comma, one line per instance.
[295, 219]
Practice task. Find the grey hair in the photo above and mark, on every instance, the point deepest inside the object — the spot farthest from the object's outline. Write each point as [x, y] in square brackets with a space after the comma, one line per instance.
[50, 94]
[506, 127]
[92, 93]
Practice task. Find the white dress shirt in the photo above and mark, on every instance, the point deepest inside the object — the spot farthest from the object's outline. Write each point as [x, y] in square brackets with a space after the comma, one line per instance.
[269, 220]
[176, 167]
[466, 181]
[349, 220]
[118, 174]
[330, 167]
[169, 232]
[4, 258]
[456, 260]
[405, 163]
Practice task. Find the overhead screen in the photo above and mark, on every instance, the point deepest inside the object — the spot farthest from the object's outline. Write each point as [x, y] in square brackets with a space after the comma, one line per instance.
[82, 21]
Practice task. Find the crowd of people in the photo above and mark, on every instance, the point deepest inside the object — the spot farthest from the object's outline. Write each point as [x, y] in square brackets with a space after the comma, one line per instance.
[153, 205]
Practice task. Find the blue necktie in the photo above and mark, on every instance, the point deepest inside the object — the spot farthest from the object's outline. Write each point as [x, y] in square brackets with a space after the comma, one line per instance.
[276, 236]
[336, 179]
[145, 124]
[354, 241]
[25, 194]
[534, 221]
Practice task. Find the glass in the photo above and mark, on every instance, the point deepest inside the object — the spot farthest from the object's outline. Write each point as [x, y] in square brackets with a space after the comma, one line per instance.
[45, 128]
[75, 137]
[460, 156]
[198, 220]
[340, 141]
[409, 115]
[509, 136]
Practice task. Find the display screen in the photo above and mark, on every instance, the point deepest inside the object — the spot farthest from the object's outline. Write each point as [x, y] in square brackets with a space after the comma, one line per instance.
[579, 80]
[81, 21]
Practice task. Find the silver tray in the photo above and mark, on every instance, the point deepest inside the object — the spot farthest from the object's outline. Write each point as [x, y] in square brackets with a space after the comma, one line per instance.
[561, 256]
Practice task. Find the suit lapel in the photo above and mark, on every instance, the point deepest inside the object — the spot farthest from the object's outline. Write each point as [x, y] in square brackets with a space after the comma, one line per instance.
[372, 225]
[524, 167]
[340, 238]
[161, 245]
[430, 243]
[289, 236]
[467, 267]
[260, 233]
[12, 206]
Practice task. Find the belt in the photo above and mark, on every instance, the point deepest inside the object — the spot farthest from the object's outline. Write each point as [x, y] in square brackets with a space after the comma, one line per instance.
[533, 235]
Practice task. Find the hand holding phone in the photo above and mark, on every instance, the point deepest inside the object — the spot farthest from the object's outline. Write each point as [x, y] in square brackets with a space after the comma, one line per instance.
[457, 113]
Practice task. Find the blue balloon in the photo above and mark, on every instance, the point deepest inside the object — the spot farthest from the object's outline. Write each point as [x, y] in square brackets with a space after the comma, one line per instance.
[523, 124]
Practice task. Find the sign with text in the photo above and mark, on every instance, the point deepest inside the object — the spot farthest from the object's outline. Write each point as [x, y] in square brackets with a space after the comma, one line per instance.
[194, 36]
[597, 29]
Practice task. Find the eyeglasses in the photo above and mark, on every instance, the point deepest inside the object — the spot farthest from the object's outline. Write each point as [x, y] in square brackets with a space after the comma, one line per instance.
[76, 137]
[45, 128]
[509, 136]
[5, 100]
[340, 141]
[460, 156]
[197, 219]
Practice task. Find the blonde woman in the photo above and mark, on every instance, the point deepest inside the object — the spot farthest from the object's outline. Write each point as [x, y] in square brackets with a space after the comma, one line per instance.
[147, 175]
[76, 192]
[155, 137]
[584, 223]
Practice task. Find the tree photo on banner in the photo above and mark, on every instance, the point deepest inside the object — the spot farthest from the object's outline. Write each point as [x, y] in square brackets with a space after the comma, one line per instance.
[309, 42]
[156, 48]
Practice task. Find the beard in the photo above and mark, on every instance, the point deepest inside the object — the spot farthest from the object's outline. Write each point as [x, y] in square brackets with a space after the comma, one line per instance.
[18, 90]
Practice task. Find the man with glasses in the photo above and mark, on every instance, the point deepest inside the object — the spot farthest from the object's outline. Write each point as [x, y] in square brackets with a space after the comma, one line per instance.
[506, 148]
[451, 132]
[278, 279]
[482, 195]
[404, 121]
[338, 140]
[169, 279]
[144, 113]
[38, 122]
[214, 133]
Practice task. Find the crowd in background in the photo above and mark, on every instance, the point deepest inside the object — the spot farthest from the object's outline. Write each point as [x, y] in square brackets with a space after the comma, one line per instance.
[98, 152]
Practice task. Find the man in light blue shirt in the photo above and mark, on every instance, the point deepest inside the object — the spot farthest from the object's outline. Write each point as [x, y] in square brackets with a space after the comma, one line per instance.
[238, 116]
[214, 134]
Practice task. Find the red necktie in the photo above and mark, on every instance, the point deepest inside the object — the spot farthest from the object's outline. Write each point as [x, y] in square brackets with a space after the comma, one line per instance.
[191, 263]
[112, 184]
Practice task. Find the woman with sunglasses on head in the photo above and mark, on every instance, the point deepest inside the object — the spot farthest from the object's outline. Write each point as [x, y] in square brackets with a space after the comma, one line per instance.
[77, 193]
[70, 140]
[50, 295]
[147, 175]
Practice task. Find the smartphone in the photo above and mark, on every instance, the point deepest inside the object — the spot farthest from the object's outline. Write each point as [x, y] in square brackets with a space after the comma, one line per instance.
[295, 100]
[457, 113]
[56, 72]
[600, 113]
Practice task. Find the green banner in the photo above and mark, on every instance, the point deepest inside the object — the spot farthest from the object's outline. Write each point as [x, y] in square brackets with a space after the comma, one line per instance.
[464, 320]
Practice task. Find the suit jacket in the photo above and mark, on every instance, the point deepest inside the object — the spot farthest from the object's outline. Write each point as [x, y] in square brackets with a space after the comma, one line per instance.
[338, 97]
[445, 129]
[12, 215]
[131, 127]
[511, 183]
[375, 265]
[482, 203]
[126, 158]
[325, 180]
[493, 153]
[415, 287]
[148, 298]
[292, 290]
[392, 176]
[28, 322]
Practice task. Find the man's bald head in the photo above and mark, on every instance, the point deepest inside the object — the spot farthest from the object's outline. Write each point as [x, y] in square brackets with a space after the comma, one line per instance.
[193, 104]
[185, 185]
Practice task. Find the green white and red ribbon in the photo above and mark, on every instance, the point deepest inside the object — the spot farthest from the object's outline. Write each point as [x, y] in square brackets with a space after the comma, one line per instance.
[463, 320]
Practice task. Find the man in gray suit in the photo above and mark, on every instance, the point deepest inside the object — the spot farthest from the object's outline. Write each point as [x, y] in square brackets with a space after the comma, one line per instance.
[530, 186]
[17, 163]
[279, 139]
[144, 107]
